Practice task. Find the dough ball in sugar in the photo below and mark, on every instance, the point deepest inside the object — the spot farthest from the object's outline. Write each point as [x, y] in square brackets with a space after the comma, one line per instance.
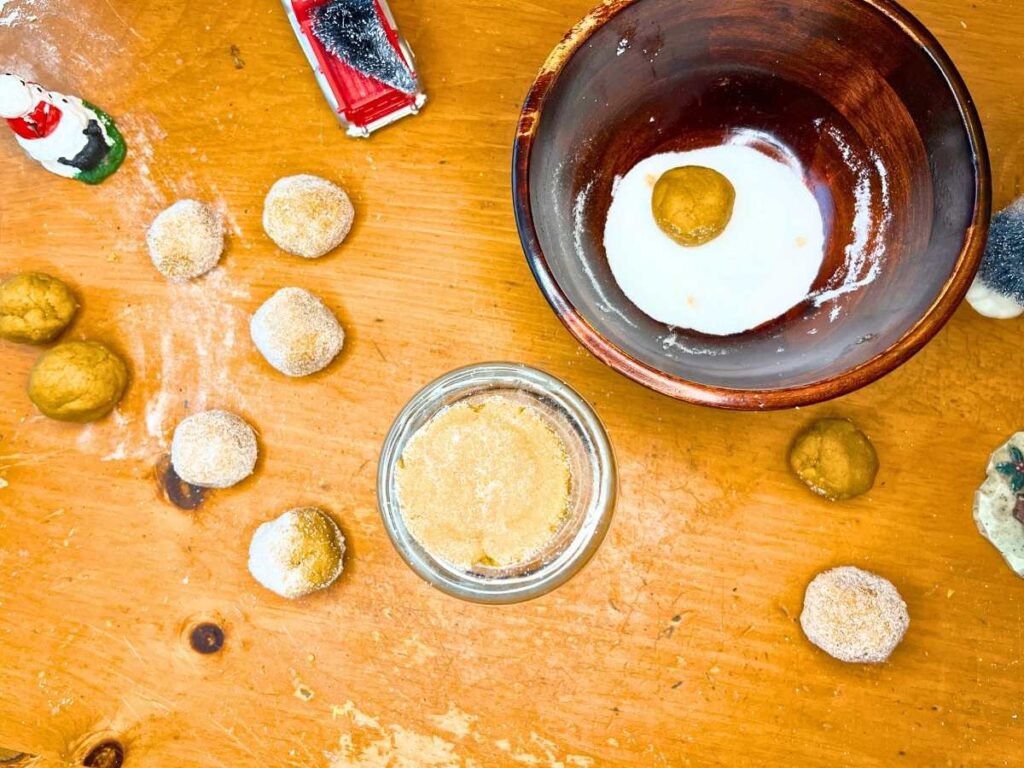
[759, 266]
[186, 240]
[307, 216]
[298, 553]
[296, 332]
[214, 449]
[853, 615]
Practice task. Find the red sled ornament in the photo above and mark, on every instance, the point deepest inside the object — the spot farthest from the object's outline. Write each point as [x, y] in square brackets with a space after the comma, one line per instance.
[363, 65]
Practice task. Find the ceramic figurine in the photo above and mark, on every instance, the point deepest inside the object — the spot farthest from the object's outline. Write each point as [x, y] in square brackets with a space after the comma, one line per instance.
[998, 290]
[999, 503]
[68, 136]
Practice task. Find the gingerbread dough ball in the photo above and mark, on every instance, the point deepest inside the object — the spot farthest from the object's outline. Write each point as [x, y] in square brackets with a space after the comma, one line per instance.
[300, 552]
[77, 381]
[296, 332]
[34, 308]
[213, 449]
[307, 216]
[854, 615]
[835, 459]
[693, 204]
[186, 240]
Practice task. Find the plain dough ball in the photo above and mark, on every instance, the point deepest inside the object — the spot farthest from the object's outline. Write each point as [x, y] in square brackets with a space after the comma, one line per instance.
[77, 381]
[296, 332]
[307, 216]
[186, 240]
[34, 308]
[300, 552]
[834, 459]
[854, 615]
[213, 449]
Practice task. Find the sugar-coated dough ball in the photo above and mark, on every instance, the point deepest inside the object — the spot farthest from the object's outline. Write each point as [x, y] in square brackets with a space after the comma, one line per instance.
[213, 449]
[77, 381]
[296, 332]
[307, 216]
[186, 240]
[34, 308]
[300, 552]
[854, 615]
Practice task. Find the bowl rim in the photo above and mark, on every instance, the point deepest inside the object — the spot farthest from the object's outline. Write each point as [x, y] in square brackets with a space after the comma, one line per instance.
[910, 343]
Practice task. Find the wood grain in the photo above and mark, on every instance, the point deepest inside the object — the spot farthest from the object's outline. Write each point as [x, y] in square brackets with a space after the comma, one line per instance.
[678, 644]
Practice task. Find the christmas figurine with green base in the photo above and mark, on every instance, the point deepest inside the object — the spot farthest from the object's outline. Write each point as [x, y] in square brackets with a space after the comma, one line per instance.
[68, 136]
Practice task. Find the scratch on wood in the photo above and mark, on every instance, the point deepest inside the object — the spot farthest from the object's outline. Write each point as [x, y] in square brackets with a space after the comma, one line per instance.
[230, 733]
[144, 692]
[132, 649]
[121, 19]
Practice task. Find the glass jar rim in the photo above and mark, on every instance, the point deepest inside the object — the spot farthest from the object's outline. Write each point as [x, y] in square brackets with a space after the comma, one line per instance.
[464, 382]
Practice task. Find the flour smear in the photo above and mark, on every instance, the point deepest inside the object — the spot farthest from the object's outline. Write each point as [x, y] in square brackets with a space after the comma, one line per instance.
[865, 255]
[60, 43]
[184, 369]
[184, 365]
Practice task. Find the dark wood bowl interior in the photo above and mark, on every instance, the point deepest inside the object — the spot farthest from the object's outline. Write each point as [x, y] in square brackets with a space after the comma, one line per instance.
[849, 92]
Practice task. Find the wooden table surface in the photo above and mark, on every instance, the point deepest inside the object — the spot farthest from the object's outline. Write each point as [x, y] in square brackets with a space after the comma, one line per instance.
[679, 644]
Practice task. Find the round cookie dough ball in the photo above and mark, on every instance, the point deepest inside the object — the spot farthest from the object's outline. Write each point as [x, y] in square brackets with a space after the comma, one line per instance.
[854, 615]
[34, 308]
[307, 216]
[186, 240]
[213, 449]
[77, 381]
[693, 204]
[296, 332]
[835, 459]
[297, 553]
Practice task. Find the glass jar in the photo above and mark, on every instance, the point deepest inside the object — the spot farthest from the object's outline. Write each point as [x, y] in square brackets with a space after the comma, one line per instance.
[592, 493]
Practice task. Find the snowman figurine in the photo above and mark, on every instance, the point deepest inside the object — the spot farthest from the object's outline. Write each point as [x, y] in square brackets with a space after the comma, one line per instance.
[69, 136]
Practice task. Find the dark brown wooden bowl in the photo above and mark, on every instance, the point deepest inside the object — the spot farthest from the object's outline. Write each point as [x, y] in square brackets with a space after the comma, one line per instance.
[841, 89]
